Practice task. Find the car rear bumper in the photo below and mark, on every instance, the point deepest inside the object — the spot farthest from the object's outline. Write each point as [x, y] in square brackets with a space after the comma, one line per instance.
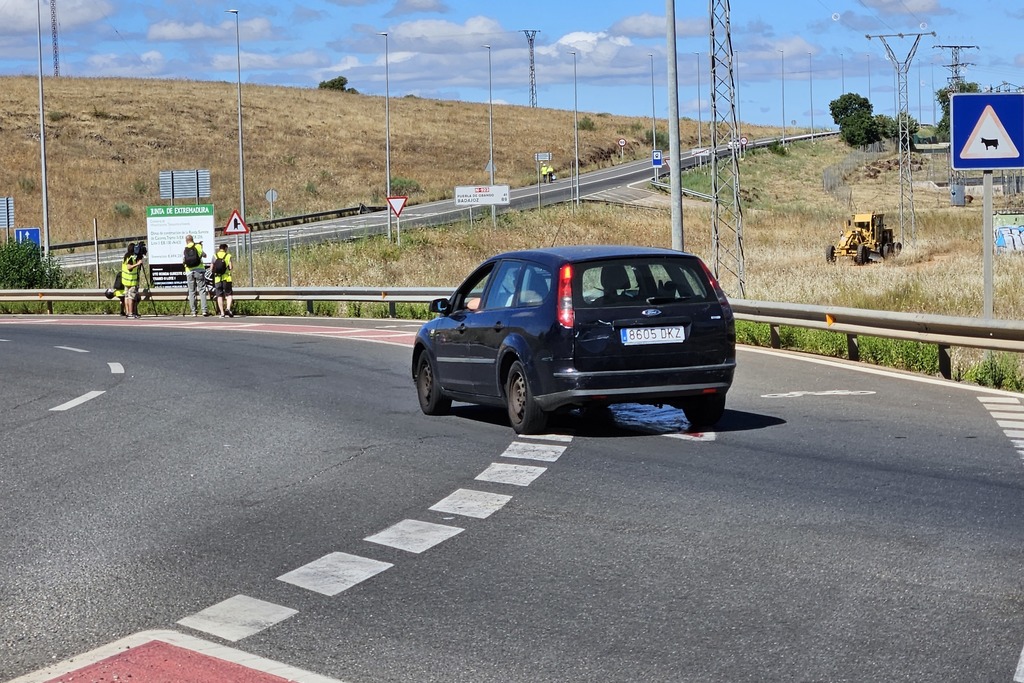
[635, 386]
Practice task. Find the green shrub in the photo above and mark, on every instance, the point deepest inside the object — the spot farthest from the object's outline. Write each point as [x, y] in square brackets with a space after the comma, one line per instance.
[23, 266]
[404, 186]
[587, 123]
[998, 370]
[123, 210]
[56, 116]
[27, 184]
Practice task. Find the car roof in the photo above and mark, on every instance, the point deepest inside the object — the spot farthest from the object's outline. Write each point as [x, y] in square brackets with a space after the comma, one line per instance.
[578, 253]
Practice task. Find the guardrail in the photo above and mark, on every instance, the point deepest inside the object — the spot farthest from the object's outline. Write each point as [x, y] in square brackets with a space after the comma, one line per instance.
[945, 332]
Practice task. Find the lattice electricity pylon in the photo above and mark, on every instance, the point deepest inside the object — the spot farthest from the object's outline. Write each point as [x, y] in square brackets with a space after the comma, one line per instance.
[955, 85]
[903, 119]
[53, 32]
[726, 212]
[530, 35]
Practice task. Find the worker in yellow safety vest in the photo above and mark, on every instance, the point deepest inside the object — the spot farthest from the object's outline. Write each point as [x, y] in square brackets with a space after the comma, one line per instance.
[130, 267]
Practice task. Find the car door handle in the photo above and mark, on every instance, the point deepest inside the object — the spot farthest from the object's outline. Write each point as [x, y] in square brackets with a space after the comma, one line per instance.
[461, 328]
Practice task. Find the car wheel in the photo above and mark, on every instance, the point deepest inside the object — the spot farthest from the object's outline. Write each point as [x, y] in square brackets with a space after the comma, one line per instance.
[703, 411]
[428, 390]
[523, 412]
[830, 254]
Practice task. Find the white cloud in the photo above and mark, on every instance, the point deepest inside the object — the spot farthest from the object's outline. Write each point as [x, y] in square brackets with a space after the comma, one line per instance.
[417, 6]
[651, 26]
[19, 16]
[260, 61]
[128, 66]
[249, 29]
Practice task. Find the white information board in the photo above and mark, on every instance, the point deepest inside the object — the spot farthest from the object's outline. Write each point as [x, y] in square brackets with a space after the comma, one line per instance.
[166, 227]
[481, 195]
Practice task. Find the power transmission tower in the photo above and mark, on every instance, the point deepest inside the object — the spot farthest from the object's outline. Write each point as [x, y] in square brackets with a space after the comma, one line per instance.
[903, 119]
[53, 31]
[530, 35]
[956, 83]
[726, 213]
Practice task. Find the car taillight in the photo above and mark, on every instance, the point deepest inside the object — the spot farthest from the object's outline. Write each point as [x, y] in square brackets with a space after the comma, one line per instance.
[718, 289]
[566, 315]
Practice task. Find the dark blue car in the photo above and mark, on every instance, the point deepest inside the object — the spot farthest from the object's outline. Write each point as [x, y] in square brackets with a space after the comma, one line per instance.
[545, 330]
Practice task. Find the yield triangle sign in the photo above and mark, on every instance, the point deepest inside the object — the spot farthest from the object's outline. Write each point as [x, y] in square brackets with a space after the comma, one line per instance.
[235, 225]
[397, 204]
[989, 139]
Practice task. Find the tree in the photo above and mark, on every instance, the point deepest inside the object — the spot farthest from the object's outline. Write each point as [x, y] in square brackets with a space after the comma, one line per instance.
[847, 105]
[860, 128]
[23, 266]
[340, 84]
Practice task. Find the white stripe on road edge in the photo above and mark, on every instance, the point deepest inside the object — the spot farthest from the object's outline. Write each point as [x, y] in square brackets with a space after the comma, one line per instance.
[517, 475]
[469, 503]
[533, 451]
[238, 617]
[79, 401]
[547, 437]
[997, 399]
[204, 647]
[334, 573]
[116, 368]
[71, 348]
[414, 536]
[1019, 676]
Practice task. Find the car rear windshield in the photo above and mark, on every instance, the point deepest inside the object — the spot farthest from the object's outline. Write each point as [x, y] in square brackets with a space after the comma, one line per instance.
[641, 281]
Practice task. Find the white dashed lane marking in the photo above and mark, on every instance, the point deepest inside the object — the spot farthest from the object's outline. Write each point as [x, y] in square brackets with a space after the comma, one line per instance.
[469, 503]
[517, 475]
[116, 368]
[70, 348]
[78, 401]
[414, 536]
[334, 573]
[238, 617]
[533, 451]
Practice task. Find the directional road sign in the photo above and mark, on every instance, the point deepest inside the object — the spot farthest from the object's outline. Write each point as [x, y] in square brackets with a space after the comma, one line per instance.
[986, 131]
[656, 157]
[27, 235]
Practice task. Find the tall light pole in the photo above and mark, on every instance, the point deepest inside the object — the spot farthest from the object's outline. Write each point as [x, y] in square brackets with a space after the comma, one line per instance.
[700, 124]
[869, 76]
[810, 89]
[387, 128]
[654, 114]
[576, 140]
[490, 129]
[241, 154]
[781, 52]
[42, 136]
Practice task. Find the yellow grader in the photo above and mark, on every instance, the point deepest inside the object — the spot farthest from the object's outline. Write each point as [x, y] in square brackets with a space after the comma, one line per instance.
[865, 238]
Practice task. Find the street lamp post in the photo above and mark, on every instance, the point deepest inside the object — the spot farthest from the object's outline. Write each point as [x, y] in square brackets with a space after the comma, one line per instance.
[387, 129]
[869, 76]
[700, 124]
[241, 154]
[810, 89]
[42, 136]
[576, 140]
[654, 114]
[782, 52]
[490, 130]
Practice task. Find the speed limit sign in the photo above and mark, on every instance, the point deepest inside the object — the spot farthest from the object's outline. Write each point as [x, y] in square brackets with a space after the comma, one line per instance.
[622, 142]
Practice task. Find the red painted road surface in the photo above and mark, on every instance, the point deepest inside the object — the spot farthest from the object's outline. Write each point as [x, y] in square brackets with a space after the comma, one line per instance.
[158, 662]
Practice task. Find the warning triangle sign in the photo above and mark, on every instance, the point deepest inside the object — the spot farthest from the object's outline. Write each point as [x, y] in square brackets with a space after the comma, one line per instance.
[397, 204]
[235, 225]
[989, 139]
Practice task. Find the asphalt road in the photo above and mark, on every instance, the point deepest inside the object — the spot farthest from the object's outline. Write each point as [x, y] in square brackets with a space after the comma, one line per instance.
[840, 525]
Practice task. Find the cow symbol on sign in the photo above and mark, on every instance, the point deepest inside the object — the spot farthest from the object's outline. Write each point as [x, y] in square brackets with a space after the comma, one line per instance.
[990, 143]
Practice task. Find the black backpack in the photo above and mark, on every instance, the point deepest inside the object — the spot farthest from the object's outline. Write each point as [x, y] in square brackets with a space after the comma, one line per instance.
[220, 266]
[192, 257]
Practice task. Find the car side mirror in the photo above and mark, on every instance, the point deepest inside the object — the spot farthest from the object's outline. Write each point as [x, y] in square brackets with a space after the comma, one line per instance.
[441, 306]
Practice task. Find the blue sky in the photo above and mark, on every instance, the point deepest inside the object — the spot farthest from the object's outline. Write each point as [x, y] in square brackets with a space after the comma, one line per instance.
[793, 56]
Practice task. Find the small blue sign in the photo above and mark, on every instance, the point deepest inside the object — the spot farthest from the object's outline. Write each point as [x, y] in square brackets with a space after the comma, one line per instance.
[656, 157]
[29, 234]
[986, 131]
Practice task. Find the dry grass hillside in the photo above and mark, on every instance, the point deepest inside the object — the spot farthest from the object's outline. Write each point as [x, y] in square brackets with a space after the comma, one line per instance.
[108, 139]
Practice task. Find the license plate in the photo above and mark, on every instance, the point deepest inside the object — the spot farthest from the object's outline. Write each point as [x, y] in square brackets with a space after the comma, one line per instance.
[635, 336]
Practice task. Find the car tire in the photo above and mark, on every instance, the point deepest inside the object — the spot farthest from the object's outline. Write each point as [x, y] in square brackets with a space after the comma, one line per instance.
[703, 411]
[428, 390]
[523, 412]
[830, 254]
